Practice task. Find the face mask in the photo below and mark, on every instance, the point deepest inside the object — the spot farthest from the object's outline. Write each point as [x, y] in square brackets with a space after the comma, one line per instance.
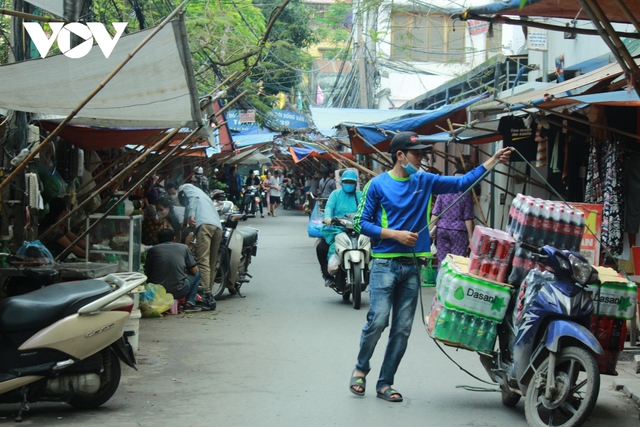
[349, 188]
[172, 197]
[409, 168]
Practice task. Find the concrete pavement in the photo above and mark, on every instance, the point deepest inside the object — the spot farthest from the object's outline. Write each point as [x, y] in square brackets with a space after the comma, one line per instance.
[282, 357]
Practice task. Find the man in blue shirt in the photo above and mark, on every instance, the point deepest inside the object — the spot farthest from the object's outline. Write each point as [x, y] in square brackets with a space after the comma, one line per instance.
[201, 213]
[392, 211]
[341, 202]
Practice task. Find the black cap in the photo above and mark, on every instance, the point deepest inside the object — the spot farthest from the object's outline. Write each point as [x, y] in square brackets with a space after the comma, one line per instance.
[407, 141]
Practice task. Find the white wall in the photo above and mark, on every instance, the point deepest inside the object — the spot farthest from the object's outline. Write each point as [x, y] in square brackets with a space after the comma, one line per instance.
[420, 77]
[577, 50]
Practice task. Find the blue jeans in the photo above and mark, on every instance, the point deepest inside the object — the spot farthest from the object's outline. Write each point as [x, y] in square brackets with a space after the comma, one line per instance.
[190, 291]
[393, 287]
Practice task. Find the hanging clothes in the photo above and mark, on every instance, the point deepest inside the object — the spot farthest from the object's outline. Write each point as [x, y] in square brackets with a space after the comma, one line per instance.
[612, 212]
[541, 149]
[593, 190]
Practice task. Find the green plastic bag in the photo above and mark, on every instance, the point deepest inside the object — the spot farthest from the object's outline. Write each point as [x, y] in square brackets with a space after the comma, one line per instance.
[428, 273]
[155, 300]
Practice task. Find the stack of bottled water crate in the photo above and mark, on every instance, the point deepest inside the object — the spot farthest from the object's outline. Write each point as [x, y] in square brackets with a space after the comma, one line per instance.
[466, 309]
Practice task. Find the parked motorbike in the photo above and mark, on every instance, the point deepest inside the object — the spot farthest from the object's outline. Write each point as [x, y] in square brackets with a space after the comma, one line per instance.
[62, 342]
[546, 351]
[237, 247]
[250, 201]
[350, 265]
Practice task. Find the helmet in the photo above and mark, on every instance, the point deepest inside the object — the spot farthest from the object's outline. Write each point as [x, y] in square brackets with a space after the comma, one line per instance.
[263, 177]
[199, 170]
[348, 175]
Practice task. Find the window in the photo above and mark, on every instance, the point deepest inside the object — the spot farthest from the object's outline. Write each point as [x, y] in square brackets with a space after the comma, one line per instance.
[426, 37]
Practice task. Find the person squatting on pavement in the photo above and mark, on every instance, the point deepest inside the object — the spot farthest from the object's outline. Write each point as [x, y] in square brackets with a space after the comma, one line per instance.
[341, 202]
[392, 211]
[201, 213]
[172, 265]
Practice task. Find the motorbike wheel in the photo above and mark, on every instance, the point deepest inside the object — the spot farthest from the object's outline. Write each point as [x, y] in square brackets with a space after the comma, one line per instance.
[578, 382]
[109, 381]
[509, 398]
[356, 285]
[218, 284]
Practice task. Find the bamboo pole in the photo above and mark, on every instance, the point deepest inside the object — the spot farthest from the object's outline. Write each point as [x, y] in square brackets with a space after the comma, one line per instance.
[126, 194]
[29, 16]
[110, 182]
[354, 164]
[483, 218]
[71, 115]
[115, 162]
[384, 155]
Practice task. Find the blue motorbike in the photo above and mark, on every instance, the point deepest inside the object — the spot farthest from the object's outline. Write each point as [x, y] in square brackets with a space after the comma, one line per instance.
[545, 348]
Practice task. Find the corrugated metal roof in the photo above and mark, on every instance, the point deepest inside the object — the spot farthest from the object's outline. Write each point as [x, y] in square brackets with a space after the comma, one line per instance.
[560, 90]
[569, 9]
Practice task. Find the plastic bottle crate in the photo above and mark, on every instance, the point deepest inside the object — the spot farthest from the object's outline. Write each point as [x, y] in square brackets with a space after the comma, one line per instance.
[459, 329]
[459, 290]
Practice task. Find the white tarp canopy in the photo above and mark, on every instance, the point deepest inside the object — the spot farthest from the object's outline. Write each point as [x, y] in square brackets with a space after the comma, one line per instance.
[156, 88]
[67, 9]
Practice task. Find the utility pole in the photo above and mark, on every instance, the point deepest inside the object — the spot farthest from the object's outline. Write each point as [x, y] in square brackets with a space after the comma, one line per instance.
[362, 65]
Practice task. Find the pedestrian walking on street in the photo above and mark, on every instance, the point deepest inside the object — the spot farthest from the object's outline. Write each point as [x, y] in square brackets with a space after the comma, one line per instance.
[234, 184]
[201, 213]
[327, 185]
[265, 187]
[275, 185]
[392, 211]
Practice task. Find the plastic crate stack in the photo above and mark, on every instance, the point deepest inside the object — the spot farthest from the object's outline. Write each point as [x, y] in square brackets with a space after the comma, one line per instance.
[466, 309]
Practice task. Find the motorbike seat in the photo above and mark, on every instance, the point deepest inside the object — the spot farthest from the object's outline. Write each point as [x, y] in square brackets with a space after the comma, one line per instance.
[45, 306]
[47, 276]
[249, 236]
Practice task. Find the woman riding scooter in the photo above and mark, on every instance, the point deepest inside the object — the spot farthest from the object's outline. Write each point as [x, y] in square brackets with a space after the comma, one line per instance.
[341, 202]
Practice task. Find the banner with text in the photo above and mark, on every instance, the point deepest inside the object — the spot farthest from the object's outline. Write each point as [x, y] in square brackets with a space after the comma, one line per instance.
[590, 247]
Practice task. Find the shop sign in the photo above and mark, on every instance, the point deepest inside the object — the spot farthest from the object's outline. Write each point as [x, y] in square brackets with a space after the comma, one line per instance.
[590, 247]
[476, 27]
[536, 39]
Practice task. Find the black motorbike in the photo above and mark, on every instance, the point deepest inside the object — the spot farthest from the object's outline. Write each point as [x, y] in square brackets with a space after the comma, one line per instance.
[289, 195]
[250, 201]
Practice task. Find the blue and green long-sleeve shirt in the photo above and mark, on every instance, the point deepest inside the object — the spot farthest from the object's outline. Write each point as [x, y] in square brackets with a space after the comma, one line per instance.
[401, 204]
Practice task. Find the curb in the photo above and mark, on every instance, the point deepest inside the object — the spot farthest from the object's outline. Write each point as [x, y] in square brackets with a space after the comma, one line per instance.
[629, 387]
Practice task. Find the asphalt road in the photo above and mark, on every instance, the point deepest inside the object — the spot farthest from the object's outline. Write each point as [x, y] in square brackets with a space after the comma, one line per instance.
[282, 357]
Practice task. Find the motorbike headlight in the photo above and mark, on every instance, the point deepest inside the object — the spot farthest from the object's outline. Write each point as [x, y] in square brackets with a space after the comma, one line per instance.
[581, 269]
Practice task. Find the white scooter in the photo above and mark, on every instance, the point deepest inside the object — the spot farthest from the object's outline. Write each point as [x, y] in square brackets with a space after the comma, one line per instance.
[237, 247]
[62, 342]
[350, 265]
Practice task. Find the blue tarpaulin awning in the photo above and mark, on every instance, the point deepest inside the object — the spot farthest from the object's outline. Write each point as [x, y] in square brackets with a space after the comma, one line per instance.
[364, 136]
